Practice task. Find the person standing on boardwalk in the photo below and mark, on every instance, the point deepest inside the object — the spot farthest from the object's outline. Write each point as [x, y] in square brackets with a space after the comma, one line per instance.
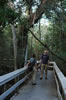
[44, 64]
[32, 65]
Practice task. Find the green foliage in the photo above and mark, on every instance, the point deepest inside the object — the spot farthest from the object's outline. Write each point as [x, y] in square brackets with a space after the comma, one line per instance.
[24, 22]
[7, 14]
[33, 45]
[6, 51]
[55, 41]
[54, 36]
[3, 2]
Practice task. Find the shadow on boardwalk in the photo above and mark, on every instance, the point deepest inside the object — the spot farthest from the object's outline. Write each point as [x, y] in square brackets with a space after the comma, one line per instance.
[44, 90]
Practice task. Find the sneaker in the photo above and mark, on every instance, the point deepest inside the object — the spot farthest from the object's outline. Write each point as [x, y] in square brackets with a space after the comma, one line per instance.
[33, 83]
[40, 78]
[45, 78]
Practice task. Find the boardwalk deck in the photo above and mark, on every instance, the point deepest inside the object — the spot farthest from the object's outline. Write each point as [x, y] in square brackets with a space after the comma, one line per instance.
[44, 90]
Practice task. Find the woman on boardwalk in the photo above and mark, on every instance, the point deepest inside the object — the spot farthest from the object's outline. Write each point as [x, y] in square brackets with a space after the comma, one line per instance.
[32, 65]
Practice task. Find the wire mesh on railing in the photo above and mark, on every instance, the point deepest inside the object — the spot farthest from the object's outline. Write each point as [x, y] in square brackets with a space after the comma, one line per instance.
[7, 51]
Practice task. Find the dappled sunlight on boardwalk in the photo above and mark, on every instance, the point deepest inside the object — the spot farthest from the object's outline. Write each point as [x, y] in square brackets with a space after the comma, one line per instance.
[44, 90]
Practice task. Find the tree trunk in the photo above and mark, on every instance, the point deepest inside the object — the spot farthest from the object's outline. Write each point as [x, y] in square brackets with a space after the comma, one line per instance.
[31, 44]
[14, 46]
[39, 30]
[26, 51]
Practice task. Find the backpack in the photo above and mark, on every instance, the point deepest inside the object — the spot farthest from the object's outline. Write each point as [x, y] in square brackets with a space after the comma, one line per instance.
[30, 66]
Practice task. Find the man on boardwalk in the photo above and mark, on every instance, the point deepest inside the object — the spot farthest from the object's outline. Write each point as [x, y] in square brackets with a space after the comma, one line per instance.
[44, 64]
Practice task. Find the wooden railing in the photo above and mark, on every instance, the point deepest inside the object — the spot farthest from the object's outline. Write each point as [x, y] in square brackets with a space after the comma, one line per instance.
[10, 76]
[60, 82]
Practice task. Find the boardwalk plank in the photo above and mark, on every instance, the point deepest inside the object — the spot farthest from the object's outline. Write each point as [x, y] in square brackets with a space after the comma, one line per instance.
[44, 90]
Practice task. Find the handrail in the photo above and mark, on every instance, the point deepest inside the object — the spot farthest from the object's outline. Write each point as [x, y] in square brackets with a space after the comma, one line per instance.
[60, 80]
[7, 77]
[10, 76]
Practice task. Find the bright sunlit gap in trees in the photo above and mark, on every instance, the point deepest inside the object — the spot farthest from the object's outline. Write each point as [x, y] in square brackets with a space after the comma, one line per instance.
[43, 21]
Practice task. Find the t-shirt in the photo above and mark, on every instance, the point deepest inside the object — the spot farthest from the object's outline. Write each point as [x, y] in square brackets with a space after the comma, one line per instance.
[32, 63]
[44, 59]
[33, 60]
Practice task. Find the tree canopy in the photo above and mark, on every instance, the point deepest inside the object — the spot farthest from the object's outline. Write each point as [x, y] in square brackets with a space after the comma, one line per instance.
[23, 15]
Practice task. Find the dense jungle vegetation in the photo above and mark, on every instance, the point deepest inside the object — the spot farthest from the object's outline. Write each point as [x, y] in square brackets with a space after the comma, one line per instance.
[46, 19]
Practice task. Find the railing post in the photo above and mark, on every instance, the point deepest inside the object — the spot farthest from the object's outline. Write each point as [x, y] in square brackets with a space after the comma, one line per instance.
[60, 82]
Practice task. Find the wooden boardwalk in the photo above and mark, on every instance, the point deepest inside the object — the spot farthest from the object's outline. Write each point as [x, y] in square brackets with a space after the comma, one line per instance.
[44, 90]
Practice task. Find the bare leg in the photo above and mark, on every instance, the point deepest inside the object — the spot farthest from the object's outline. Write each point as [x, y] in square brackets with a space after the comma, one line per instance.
[34, 75]
[45, 71]
[42, 70]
